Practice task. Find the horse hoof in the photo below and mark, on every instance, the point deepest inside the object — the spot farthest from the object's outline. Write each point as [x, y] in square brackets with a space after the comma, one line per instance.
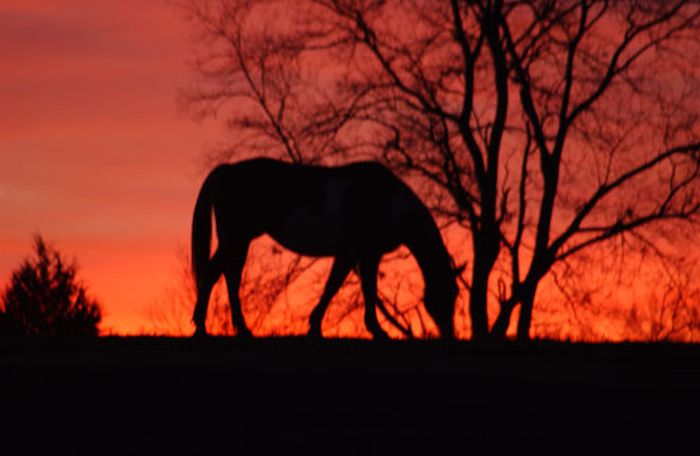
[244, 334]
[200, 334]
[381, 336]
[314, 333]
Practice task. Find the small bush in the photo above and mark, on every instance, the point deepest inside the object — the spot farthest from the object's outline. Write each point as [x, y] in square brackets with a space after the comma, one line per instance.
[44, 297]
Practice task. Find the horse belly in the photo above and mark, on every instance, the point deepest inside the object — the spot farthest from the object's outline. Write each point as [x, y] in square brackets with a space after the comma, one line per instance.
[312, 234]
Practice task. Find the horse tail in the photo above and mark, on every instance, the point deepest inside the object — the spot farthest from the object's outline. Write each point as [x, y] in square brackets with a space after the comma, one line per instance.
[201, 232]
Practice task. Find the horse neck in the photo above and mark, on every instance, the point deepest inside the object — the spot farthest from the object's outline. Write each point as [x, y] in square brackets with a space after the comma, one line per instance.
[423, 239]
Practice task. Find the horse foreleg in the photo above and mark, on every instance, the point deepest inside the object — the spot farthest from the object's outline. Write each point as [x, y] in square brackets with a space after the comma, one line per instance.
[233, 271]
[339, 271]
[209, 277]
[368, 277]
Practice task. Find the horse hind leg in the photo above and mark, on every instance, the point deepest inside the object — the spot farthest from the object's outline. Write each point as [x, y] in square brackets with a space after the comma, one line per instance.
[209, 277]
[233, 271]
[368, 278]
[340, 270]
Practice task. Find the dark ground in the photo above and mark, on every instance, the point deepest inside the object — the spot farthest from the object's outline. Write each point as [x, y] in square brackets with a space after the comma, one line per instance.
[294, 396]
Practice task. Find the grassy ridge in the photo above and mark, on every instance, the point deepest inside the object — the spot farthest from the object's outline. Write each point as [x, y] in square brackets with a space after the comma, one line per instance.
[292, 395]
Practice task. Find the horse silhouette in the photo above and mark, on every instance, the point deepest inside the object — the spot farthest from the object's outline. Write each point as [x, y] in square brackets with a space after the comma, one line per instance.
[355, 213]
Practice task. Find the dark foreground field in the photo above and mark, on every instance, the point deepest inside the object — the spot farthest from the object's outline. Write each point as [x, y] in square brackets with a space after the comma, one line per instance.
[293, 396]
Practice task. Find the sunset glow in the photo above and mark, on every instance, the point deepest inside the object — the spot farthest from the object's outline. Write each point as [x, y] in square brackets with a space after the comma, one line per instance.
[349, 226]
[93, 152]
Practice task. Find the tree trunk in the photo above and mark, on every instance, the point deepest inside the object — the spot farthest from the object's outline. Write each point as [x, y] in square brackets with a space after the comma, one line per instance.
[486, 246]
[525, 320]
[500, 326]
[477, 302]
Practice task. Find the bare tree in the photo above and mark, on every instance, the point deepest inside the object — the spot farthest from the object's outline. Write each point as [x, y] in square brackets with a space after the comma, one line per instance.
[544, 129]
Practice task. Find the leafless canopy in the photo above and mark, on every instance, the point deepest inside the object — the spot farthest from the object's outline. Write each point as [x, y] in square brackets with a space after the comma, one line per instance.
[543, 128]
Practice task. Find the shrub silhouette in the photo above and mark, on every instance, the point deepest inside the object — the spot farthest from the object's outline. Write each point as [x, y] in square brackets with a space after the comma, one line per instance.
[44, 297]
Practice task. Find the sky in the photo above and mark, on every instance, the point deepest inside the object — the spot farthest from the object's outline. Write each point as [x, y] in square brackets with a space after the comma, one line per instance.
[94, 154]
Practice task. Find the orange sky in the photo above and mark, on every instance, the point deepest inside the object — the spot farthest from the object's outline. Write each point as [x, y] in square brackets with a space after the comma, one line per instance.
[93, 152]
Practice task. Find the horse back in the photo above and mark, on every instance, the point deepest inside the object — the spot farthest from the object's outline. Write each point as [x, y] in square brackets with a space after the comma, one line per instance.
[313, 210]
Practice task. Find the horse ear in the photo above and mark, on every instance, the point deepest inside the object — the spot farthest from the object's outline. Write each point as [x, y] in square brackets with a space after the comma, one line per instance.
[458, 269]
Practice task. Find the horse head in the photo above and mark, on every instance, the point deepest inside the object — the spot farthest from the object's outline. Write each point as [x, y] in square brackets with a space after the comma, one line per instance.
[440, 303]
